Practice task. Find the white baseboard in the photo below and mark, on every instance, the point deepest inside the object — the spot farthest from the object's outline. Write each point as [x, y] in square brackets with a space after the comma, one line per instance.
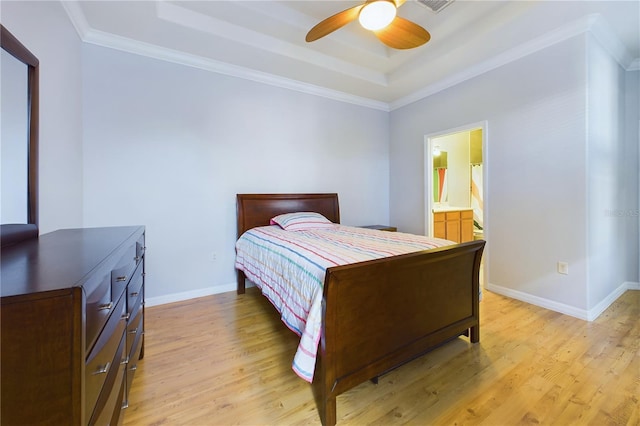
[590, 315]
[633, 286]
[587, 315]
[607, 301]
[538, 301]
[191, 294]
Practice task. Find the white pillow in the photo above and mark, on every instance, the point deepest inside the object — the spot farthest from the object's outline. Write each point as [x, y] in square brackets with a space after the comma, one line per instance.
[301, 221]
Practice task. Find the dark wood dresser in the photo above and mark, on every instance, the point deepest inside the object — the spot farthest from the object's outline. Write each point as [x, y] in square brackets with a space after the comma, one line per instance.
[72, 321]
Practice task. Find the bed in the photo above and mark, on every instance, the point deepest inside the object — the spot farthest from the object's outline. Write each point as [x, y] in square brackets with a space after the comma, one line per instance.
[392, 309]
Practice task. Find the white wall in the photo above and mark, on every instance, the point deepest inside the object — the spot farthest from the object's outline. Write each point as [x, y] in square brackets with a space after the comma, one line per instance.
[169, 147]
[607, 176]
[535, 108]
[44, 28]
[557, 157]
[631, 164]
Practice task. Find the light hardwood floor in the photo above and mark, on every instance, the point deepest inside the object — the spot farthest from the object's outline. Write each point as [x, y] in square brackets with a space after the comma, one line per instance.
[226, 359]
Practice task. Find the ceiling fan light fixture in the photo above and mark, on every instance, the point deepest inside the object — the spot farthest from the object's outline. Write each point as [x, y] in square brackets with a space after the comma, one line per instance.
[377, 14]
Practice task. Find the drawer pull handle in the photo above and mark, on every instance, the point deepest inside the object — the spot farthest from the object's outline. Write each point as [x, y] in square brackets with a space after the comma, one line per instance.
[134, 367]
[137, 259]
[125, 361]
[105, 306]
[134, 294]
[125, 405]
[125, 316]
[102, 370]
[134, 331]
[122, 278]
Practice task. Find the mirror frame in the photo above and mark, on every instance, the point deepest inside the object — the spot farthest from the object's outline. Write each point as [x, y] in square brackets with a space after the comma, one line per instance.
[14, 233]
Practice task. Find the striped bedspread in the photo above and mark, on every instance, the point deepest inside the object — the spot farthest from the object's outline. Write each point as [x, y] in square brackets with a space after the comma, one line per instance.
[289, 267]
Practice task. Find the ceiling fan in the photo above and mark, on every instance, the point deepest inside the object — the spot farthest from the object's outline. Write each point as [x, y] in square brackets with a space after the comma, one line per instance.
[380, 17]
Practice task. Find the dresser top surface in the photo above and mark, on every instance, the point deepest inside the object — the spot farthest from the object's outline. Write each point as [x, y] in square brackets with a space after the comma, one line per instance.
[60, 259]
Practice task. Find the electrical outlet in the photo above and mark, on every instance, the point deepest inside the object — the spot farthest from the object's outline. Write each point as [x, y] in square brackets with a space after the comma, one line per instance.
[563, 268]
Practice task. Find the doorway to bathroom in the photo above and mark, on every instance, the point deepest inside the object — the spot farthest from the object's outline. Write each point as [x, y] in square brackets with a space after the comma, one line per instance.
[456, 185]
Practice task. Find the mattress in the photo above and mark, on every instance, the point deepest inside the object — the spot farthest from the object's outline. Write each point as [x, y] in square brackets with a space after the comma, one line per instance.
[289, 267]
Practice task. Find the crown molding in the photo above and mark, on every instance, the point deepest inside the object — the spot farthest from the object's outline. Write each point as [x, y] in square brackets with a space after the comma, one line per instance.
[112, 41]
[635, 65]
[77, 18]
[591, 23]
[188, 18]
[594, 24]
[602, 31]
[124, 44]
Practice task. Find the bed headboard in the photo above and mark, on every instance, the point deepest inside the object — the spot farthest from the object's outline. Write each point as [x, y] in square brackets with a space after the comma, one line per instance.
[256, 209]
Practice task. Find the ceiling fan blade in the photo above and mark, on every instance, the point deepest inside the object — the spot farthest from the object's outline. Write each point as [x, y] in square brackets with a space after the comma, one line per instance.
[333, 23]
[403, 34]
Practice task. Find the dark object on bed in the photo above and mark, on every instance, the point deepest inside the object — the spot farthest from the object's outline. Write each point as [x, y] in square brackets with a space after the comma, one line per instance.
[378, 314]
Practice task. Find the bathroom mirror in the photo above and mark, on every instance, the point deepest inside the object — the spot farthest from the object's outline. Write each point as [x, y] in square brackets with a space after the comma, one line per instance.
[18, 141]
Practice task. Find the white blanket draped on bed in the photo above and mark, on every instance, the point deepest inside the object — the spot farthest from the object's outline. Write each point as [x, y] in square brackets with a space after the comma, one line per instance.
[289, 267]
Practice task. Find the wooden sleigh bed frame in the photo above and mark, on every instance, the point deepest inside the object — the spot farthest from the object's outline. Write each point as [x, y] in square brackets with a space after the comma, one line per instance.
[378, 314]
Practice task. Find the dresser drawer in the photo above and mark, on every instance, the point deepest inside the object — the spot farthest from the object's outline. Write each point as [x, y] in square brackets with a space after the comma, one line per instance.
[118, 414]
[134, 329]
[466, 214]
[122, 272]
[134, 290]
[98, 308]
[103, 362]
[112, 394]
[134, 357]
[138, 304]
[140, 248]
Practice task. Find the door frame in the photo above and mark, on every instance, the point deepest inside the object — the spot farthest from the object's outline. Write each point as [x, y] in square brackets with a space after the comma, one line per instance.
[428, 182]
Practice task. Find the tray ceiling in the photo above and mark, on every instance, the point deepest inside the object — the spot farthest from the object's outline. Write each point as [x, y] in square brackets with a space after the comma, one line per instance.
[264, 40]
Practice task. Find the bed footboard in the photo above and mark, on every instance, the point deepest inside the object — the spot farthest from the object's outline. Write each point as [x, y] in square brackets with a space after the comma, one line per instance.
[380, 314]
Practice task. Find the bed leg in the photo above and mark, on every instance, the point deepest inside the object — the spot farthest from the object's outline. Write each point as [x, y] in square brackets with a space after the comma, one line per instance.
[326, 404]
[328, 415]
[241, 285]
[375, 380]
[475, 334]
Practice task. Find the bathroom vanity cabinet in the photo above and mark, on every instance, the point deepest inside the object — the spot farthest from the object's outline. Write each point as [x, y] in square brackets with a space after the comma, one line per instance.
[454, 224]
